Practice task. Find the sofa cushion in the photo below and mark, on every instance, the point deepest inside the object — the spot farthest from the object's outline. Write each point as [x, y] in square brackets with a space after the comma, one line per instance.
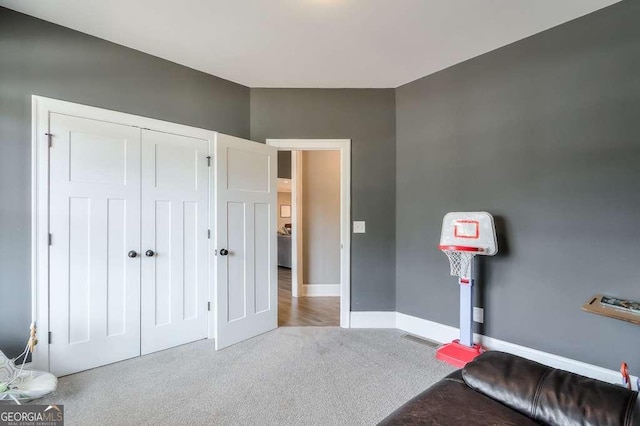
[452, 402]
[548, 395]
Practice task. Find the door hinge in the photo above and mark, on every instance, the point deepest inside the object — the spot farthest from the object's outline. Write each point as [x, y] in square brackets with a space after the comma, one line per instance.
[209, 161]
[209, 233]
[50, 238]
[49, 338]
[208, 306]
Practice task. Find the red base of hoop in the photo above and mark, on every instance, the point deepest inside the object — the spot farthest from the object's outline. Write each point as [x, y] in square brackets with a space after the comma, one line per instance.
[457, 354]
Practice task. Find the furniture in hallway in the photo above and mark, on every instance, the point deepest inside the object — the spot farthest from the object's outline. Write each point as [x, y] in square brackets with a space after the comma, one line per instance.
[304, 311]
[504, 389]
[284, 250]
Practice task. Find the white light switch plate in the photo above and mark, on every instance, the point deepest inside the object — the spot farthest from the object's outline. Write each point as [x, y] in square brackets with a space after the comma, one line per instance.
[478, 315]
[358, 227]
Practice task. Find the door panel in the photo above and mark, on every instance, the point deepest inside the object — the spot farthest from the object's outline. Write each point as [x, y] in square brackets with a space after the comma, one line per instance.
[94, 221]
[174, 226]
[262, 236]
[246, 278]
[190, 288]
[116, 266]
[247, 170]
[160, 280]
[95, 158]
[236, 261]
[79, 275]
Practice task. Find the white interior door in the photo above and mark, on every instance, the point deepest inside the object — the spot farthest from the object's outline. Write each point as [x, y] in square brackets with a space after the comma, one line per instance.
[94, 222]
[175, 194]
[246, 263]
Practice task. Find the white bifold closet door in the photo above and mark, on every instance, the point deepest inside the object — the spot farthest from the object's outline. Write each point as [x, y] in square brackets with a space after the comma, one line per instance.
[175, 186]
[128, 256]
[94, 293]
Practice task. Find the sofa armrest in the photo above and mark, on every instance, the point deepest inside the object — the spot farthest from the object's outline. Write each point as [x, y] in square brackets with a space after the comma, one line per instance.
[452, 402]
[549, 395]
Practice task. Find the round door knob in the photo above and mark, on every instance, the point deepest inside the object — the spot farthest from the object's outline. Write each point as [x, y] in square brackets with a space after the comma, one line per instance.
[132, 254]
[224, 252]
[149, 253]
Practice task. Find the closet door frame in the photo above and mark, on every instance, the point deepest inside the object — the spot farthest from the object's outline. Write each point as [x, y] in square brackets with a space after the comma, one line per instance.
[41, 108]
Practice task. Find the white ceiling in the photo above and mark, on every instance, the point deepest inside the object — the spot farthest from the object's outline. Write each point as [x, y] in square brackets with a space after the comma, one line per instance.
[311, 43]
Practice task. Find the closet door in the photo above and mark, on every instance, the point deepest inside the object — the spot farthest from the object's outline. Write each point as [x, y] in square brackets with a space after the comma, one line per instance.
[94, 293]
[246, 262]
[174, 219]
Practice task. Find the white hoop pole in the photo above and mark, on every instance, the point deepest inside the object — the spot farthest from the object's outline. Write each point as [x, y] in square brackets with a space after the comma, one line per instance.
[466, 307]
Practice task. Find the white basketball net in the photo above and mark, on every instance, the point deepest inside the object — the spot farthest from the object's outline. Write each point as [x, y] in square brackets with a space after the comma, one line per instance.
[460, 262]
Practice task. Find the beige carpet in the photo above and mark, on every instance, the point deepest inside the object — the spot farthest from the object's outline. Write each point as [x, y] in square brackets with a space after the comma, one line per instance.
[291, 376]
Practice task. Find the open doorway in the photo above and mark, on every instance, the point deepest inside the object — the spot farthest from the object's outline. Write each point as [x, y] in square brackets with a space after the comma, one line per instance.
[313, 232]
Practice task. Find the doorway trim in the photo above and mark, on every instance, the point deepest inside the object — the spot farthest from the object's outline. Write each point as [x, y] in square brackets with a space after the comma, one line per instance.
[344, 146]
[297, 248]
[41, 108]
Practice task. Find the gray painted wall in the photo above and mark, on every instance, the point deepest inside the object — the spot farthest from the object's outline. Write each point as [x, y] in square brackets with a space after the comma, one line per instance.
[321, 217]
[545, 134]
[284, 164]
[367, 117]
[40, 58]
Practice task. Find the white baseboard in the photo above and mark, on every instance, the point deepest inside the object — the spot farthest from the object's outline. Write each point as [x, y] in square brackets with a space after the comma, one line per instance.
[444, 333]
[320, 290]
[373, 319]
[428, 329]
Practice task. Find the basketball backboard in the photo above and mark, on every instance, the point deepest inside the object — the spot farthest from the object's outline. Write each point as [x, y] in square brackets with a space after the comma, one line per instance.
[470, 230]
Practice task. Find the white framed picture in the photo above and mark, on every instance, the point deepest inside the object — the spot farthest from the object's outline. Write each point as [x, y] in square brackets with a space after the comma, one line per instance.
[285, 210]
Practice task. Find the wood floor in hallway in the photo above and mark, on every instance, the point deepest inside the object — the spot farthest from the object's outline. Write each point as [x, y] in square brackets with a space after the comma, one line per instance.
[304, 311]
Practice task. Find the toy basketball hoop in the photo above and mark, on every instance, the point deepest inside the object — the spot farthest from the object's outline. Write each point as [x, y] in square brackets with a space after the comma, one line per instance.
[460, 258]
[464, 236]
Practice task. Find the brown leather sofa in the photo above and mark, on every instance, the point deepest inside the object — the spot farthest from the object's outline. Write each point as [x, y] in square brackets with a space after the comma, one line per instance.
[503, 389]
